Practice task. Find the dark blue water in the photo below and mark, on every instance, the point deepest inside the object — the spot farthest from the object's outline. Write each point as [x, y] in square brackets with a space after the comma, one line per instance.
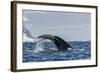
[82, 51]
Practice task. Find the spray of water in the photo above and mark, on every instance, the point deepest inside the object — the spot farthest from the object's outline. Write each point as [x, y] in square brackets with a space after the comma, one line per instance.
[40, 47]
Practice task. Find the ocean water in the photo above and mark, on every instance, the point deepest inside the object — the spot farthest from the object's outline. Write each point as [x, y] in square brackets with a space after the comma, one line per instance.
[81, 51]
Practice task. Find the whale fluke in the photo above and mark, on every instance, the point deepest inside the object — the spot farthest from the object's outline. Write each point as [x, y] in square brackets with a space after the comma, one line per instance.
[59, 42]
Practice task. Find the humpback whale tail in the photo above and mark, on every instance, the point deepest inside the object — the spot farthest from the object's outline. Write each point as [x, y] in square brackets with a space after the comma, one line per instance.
[59, 42]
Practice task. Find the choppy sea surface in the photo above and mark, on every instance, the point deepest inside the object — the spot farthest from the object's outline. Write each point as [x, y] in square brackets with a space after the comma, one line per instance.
[81, 51]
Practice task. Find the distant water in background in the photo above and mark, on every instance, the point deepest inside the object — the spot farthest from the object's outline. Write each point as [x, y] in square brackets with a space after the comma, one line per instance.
[82, 51]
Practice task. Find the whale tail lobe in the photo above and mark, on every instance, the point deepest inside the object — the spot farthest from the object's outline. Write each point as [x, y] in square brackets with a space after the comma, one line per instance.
[61, 44]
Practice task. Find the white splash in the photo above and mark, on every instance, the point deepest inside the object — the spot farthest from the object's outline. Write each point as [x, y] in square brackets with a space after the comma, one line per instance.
[39, 46]
[69, 48]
